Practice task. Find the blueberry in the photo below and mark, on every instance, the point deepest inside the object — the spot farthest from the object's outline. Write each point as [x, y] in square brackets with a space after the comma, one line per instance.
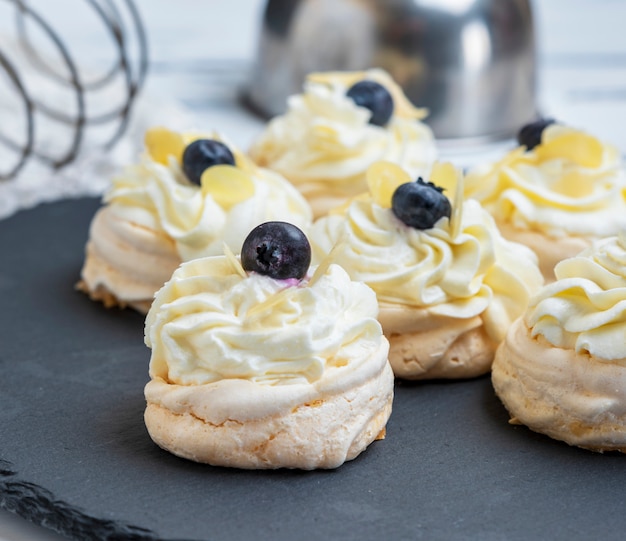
[278, 250]
[420, 204]
[376, 98]
[202, 154]
[530, 134]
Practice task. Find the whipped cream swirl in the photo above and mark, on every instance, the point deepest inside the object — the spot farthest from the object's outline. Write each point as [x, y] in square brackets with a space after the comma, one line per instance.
[160, 198]
[324, 143]
[208, 324]
[476, 272]
[585, 309]
[570, 184]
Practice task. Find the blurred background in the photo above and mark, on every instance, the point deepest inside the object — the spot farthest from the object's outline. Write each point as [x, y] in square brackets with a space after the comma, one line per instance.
[202, 57]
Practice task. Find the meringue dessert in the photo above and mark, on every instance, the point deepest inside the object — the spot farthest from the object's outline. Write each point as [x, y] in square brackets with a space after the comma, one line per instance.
[267, 367]
[341, 124]
[556, 193]
[447, 283]
[187, 196]
[562, 369]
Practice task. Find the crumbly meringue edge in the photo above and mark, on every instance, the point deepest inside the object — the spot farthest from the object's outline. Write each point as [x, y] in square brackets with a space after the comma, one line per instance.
[568, 396]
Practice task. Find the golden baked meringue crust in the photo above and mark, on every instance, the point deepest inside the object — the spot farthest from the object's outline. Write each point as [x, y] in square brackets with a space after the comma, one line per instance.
[154, 218]
[242, 424]
[573, 397]
[125, 262]
[562, 368]
[446, 298]
[426, 345]
[253, 372]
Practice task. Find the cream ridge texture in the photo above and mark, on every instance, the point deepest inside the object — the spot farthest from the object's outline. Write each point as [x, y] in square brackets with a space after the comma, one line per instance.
[557, 198]
[154, 218]
[324, 143]
[447, 294]
[562, 369]
[253, 372]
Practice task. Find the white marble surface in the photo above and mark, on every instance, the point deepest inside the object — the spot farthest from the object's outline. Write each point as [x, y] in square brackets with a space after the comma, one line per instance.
[201, 53]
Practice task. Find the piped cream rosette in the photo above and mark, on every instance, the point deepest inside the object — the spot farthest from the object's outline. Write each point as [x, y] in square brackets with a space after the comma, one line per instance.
[447, 294]
[253, 372]
[557, 198]
[154, 218]
[562, 369]
[325, 143]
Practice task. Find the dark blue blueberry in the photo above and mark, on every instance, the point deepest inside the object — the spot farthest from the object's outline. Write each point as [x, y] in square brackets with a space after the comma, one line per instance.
[530, 134]
[278, 250]
[202, 154]
[376, 98]
[420, 204]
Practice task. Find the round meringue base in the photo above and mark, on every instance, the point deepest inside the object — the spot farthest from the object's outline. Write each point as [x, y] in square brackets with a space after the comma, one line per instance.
[469, 355]
[424, 345]
[125, 263]
[109, 300]
[242, 424]
[573, 397]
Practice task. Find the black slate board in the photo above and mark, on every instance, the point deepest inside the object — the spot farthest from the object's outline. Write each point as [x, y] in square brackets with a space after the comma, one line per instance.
[75, 456]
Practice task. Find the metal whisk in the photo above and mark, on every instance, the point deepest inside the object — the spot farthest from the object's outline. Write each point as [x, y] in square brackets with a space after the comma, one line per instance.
[122, 21]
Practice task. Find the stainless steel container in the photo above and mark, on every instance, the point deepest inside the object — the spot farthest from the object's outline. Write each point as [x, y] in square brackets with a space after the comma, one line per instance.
[470, 62]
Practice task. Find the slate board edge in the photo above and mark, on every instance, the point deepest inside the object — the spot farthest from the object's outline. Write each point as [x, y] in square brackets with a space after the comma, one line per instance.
[39, 506]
